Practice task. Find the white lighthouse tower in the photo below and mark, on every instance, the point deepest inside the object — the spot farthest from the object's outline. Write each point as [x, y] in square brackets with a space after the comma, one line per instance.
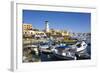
[46, 26]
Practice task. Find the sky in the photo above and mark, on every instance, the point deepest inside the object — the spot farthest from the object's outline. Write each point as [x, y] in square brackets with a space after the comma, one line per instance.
[69, 21]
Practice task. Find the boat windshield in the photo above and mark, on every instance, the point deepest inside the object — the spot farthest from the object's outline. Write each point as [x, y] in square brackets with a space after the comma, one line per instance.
[62, 47]
[43, 43]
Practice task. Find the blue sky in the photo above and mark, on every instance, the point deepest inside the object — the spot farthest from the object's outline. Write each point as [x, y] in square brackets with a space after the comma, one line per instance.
[71, 21]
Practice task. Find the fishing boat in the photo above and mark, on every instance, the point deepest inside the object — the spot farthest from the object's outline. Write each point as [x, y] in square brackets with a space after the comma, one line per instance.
[72, 53]
[45, 48]
[81, 51]
[63, 52]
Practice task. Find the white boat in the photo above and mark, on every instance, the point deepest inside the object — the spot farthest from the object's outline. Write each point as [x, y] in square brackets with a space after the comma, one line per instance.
[45, 48]
[76, 51]
[83, 46]
[81, 51]
[62, 52]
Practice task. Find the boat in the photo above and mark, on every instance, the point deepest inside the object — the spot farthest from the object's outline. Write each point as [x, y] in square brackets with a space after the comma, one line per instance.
[81, 46]
[72, 53]
[45, 48]
[62, 52]
[81, 51]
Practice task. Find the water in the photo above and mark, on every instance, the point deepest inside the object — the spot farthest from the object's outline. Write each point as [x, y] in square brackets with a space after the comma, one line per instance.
[51, 57]
[89, 49]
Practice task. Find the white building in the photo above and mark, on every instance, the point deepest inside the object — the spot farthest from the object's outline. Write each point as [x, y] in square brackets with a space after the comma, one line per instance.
[47, 26]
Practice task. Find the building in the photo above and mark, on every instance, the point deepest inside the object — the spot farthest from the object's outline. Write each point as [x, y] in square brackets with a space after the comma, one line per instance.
[46, 26]
[27, 26]
[29, 31]
[26, 30]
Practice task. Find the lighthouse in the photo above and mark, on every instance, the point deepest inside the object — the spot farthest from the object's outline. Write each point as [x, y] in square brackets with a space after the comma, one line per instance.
[46, 26]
